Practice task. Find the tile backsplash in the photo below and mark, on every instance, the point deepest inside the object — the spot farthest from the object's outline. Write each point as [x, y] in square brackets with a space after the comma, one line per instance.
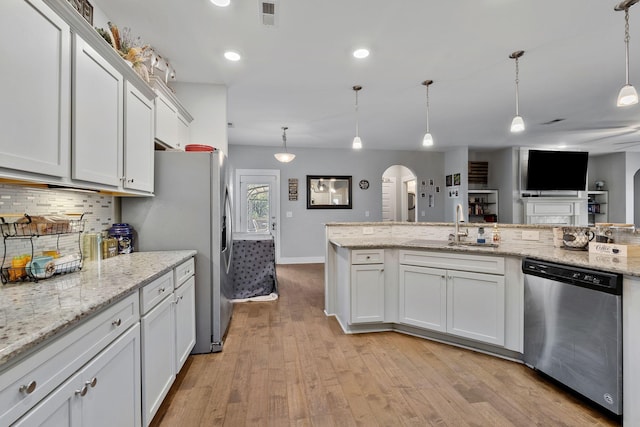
[99, 209]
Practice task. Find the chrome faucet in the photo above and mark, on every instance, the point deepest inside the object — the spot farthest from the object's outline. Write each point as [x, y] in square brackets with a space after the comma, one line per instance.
[459, 219]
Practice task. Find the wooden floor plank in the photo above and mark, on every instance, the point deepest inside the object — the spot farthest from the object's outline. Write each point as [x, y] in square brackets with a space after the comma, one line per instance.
[286, 363]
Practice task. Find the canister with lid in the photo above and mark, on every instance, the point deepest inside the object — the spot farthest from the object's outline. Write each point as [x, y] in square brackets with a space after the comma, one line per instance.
[124, 234]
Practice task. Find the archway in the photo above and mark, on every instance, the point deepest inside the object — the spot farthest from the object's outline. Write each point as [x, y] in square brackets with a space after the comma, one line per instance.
[399, 201]
[636, 198]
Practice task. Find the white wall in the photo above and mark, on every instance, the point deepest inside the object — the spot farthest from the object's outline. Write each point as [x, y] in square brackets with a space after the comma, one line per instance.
[610, 168]
[302, 235]
[207, 103]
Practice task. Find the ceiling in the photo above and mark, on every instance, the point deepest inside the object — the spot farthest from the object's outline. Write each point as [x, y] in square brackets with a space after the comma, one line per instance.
[300, 72]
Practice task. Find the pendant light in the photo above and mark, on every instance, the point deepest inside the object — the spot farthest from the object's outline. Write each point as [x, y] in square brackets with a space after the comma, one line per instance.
[284, 157]
[517, 124]
[427, 140]
[357, 142]
[628, 95]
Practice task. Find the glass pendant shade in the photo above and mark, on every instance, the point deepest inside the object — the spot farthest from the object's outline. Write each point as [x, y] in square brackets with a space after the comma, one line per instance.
[284, 157]
[627, 96]
[427, 141]
[517, 124]
[357, 143]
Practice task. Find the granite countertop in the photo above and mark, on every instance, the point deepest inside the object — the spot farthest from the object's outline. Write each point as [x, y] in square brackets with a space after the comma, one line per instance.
[31, 313]
[623, 265]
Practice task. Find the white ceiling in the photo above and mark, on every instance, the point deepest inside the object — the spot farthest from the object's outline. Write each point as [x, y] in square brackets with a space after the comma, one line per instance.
[300, 72]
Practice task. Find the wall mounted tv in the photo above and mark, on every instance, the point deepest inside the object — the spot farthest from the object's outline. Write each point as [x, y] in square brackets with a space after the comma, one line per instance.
[557, 170]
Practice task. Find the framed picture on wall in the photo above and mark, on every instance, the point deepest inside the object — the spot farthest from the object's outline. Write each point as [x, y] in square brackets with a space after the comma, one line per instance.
[449, 180]
[456, 179]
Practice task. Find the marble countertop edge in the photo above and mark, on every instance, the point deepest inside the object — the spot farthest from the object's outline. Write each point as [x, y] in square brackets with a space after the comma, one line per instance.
[624, 265]
[32, 313]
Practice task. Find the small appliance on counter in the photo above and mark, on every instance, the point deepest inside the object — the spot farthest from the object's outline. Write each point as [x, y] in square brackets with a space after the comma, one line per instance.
[576, 238]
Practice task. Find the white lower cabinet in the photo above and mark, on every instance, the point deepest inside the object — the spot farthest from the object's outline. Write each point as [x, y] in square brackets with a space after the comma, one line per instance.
[106, 392]
[476, 306]
[185, 304]
[367, 293]
[158, 357]
[423, 297]
[463, 303]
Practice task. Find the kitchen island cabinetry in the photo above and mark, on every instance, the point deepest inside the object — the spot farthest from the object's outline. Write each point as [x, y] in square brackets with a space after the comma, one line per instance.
[423, 297]
[455, 298]
[367, 286]
[36, 100]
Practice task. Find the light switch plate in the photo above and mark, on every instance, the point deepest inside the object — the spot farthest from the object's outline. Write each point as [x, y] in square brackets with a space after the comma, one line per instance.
[367, 230]
[530, 235]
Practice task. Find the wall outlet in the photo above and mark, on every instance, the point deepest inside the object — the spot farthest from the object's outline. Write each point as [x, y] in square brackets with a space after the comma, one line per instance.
[289, 214]
[367, 230]
[530, 235]
[366, 213]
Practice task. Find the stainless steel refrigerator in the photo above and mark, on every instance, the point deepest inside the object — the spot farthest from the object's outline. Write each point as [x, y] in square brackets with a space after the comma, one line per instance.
[191, 209]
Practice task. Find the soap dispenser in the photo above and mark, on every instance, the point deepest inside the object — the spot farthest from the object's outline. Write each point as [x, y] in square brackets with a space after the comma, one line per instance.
[495, 234]
[481, 238]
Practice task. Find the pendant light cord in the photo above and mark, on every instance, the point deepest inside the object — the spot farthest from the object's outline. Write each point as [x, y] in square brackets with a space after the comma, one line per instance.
[284, 138]
[517, 89]
[357, 127]
[626, 41]
[427, 108]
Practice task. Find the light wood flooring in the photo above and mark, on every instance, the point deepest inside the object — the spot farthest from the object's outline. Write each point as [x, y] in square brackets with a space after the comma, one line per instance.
[286, 364]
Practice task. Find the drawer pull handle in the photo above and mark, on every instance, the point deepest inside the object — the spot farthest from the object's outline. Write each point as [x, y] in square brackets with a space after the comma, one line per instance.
[82, 392]
[368, 257]
[117, 322]
[92, 383]
[28, 388]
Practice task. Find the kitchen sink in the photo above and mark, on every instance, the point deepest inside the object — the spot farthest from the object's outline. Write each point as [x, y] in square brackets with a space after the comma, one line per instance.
[474, 244]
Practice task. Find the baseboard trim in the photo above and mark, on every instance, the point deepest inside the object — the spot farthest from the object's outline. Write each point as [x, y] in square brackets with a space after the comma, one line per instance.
[301, 260]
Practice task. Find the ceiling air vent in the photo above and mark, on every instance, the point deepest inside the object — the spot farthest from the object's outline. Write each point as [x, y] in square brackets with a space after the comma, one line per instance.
[268, 13]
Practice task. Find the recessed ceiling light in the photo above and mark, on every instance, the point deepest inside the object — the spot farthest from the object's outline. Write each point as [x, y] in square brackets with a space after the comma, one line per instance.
[361, 53]
[221, 3]
[232, 56]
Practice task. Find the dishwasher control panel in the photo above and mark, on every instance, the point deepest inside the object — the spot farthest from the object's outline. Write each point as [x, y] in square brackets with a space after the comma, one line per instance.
[594, 279]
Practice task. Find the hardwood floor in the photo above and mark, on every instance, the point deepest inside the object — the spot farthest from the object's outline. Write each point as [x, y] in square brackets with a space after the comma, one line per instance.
[286, 364]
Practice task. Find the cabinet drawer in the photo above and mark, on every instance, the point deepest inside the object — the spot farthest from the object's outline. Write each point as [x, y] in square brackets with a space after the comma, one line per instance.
[184, 271]
[50, 366]
[367, 256]
[449, 261]
[156, 291]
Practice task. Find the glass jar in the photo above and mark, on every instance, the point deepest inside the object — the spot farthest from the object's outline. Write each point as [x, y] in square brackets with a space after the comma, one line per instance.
[124, 235]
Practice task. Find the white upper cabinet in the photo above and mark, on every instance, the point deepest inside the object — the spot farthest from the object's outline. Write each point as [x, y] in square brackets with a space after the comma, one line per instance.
[35, 103]
[138, 140]
[166, 121]
[172, 119]
[97, 117]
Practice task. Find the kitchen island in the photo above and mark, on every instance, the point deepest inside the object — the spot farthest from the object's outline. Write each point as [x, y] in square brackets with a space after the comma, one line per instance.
[59, 334]
[408, 278]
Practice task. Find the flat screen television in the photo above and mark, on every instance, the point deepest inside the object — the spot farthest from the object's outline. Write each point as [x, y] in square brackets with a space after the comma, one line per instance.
[557, 170]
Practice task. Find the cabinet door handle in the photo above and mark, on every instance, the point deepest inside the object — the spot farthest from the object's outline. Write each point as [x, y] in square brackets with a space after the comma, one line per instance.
[161, 290]
[82, 391]
[117, 322]
[92, 382]
[443, 276]
[28, 388]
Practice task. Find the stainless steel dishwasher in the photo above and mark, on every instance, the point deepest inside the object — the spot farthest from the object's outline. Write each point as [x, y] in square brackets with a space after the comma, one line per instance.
[573, 328]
